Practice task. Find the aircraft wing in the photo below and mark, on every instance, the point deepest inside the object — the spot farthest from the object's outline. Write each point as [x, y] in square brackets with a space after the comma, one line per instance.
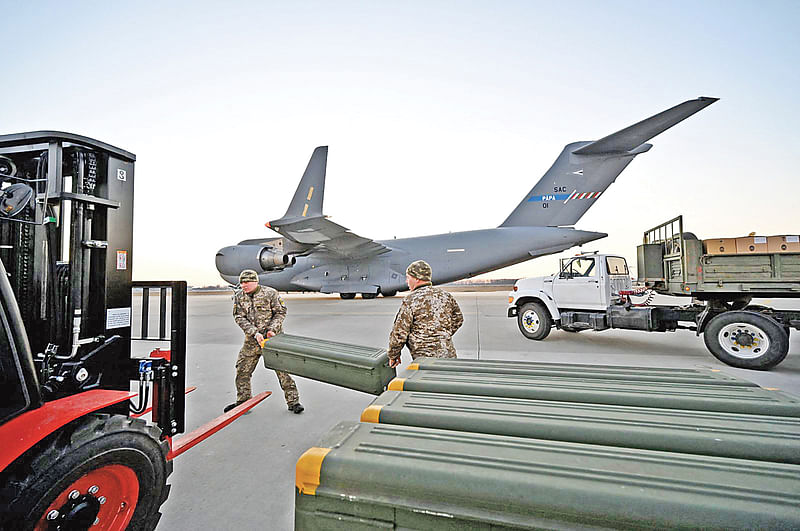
[327, 236]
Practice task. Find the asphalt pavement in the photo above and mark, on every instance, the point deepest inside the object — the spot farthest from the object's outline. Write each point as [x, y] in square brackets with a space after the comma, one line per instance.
[243, 477]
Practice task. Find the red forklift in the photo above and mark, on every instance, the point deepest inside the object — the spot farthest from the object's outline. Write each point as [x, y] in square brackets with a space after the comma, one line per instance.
[74, 452]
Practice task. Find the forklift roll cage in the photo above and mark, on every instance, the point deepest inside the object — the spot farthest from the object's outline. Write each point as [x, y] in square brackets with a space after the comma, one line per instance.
[29, 357]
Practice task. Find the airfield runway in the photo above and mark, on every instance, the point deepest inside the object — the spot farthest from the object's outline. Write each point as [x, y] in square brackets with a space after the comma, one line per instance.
[243, 477]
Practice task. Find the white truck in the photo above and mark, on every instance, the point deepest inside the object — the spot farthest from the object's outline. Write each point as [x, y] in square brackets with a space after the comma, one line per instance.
[593, 292]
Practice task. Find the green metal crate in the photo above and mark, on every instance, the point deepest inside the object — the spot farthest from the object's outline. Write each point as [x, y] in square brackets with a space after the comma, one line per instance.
[605, 372]
[756, 437]
[701, 397]
[368, 476]
[352, 366]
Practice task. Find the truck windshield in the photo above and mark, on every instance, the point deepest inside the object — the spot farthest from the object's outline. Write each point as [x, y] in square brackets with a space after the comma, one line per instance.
[580, 267]
[616, 265]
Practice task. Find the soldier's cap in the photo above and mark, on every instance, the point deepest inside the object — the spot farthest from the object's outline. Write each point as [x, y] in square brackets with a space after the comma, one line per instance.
[420, 270]
[248, 275]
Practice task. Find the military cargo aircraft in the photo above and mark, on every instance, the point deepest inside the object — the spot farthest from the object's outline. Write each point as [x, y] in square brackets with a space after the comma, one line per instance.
[316, 254]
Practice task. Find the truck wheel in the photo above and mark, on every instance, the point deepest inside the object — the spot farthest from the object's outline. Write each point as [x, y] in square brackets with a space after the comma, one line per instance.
[570, 329]
[347, 296]
[534, 321]
[747, 340]
[107, 472]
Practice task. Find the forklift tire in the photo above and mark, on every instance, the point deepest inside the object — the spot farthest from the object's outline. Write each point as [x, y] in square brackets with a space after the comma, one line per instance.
[747, 340]
[534, 321]
[572, 330]
[107, 472]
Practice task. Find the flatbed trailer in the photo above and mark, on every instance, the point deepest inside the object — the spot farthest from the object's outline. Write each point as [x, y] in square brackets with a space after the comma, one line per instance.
[673, 262]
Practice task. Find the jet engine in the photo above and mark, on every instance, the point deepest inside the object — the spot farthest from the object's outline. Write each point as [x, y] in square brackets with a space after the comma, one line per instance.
[269, 259]
[232, 260]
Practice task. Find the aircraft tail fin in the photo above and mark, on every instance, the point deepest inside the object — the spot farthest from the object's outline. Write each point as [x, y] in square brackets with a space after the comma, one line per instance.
[307, 200]
[584, 170]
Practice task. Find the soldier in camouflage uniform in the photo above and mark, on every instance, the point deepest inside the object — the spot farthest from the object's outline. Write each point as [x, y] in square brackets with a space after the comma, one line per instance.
[259, 312]
[427, 319]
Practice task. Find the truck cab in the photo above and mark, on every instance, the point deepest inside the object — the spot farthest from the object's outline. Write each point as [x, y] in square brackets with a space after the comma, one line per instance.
[586, 284]
[590, 282]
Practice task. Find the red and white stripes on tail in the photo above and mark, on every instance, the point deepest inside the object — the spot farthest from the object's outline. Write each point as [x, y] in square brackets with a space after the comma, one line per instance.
[582, 195]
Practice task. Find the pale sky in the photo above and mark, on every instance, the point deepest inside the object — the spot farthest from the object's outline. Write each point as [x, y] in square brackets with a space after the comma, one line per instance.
[440, 116]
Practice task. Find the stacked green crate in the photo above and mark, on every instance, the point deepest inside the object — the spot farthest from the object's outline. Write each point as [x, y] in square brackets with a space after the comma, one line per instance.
[373, 476]
[465, 444]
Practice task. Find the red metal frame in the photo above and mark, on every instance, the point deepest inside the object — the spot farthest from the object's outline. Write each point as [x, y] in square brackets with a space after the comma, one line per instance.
[183, 443]
[161, 353]
[21, 433]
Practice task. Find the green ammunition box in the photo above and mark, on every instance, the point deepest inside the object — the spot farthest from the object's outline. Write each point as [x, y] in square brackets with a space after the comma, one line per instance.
[756, 437]
[372, 476]
[604, 372]
[352, 366]
[668, 395]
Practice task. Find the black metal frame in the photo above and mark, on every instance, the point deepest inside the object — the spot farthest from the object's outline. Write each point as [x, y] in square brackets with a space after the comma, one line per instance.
[22, 382]
[169, 401]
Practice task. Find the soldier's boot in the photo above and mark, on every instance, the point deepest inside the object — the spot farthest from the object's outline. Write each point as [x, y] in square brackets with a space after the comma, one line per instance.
[231, 406]
[296, 408]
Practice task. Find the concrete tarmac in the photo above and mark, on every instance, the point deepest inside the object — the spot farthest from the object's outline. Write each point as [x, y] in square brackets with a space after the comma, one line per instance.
[243, 477]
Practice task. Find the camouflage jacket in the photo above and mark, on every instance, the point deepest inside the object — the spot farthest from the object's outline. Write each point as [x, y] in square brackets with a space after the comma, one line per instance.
[261, 311]
[426, 322]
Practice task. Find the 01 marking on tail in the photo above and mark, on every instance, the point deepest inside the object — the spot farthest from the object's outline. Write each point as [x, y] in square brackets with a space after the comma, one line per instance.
[316, 254]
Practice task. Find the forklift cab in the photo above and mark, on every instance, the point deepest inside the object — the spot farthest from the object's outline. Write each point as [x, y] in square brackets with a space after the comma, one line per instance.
[66, 247]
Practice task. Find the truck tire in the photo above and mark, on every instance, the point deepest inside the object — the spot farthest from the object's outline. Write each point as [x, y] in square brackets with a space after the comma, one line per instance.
[747, 340]
[534, 321]
[101, 468]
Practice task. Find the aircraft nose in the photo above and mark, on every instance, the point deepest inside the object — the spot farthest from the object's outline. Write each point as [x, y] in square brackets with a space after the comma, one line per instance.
[224, 261]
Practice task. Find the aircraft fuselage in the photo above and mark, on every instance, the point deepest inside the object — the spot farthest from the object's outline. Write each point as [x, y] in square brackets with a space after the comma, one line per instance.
[452, 256]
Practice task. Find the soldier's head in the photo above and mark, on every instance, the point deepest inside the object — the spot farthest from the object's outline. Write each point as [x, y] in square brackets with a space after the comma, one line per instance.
[248, 279]
[418, 274]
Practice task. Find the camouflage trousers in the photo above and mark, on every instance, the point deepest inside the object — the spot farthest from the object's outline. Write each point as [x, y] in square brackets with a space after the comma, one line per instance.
[430, 353]
[245, 365]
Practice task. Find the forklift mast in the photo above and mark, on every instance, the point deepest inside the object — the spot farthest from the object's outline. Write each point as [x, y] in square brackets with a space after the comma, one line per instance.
[66, 240]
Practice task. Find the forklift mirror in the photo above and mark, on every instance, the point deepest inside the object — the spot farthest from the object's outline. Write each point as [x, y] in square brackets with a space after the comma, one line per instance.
[14, 199]
[7, 167]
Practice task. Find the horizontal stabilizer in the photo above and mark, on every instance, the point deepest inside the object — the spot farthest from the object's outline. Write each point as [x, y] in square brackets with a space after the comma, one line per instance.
[637, 134]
